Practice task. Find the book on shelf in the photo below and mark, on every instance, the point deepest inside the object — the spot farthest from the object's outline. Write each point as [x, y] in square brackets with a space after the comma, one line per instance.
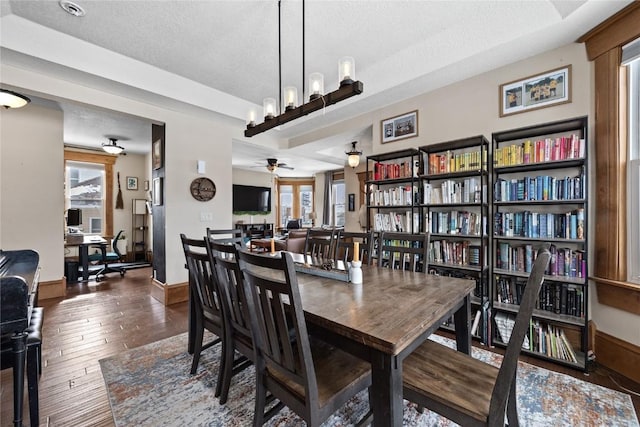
[543, 150]
[476, 322]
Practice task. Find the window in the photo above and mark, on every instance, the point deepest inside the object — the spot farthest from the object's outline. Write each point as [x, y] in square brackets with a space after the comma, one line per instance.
[633, 167]
[338, 203]
[295, 200]
[84, 190]
[83, 168]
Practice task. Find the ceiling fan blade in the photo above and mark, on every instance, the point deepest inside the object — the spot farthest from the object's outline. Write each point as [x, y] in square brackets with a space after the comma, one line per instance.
[283, 166]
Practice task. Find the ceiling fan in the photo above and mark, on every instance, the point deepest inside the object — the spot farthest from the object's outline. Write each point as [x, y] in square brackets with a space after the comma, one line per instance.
[273, 165]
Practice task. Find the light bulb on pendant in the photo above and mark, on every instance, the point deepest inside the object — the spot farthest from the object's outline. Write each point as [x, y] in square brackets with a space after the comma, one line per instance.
[269, 105]
[346, 70]
[290, 98]
[316, 86]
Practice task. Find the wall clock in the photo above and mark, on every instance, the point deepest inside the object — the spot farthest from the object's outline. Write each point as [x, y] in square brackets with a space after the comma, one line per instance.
[202, 189]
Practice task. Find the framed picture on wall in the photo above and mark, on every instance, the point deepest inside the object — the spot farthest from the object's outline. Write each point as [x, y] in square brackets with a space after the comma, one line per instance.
[352, 202]
[132, 183]
[534, 92]
[399, 127]
[156, 192]
[156, 154]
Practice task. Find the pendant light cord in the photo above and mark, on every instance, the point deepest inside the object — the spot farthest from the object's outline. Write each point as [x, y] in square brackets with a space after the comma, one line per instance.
[303, 56]
[279, 58]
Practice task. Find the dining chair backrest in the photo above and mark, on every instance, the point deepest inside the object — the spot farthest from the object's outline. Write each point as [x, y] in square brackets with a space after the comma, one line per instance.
[232, 295]
[404, 251]
[201, 271]
[237, 325]
[320, 243]
[505, 382]
[234, 235]
[344, 246]
[203, 290]
[283, 353]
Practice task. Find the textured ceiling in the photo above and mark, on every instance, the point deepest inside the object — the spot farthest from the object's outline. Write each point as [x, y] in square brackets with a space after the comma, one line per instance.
[222, 56]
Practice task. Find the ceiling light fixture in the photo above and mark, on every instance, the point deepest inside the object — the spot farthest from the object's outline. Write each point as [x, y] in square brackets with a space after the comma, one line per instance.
[317, 98]
[353, 156]
[11, 99]
[72, 8]
[112, 147]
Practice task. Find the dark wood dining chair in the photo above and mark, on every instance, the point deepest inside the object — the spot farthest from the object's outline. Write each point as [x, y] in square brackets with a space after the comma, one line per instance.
[312, 378]
[344, 246]
[320, 243]
[404, 251]
[466, 390]
[237, 331]
[204, 291]
[234, 235]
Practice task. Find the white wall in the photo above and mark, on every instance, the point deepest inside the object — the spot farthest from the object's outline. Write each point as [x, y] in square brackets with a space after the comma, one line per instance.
[32, 185]
[197, 135]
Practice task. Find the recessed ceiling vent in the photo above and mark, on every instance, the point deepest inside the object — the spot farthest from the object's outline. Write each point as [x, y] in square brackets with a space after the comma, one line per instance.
[72, 8]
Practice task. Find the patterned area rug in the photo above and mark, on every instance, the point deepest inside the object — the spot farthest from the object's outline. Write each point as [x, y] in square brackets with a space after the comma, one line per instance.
[151, 386]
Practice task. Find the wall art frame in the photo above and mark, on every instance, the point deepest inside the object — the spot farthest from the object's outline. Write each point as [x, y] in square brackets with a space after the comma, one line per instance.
[399, 127]
[537, 91]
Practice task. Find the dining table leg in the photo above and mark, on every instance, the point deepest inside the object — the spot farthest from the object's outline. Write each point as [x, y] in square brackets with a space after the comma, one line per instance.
[463, 333]
[386, 390]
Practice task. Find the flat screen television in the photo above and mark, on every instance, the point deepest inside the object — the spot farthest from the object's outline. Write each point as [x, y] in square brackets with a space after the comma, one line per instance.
[247, 198]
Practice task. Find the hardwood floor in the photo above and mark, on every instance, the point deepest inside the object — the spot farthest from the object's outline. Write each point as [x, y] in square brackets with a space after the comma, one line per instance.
[97, 320]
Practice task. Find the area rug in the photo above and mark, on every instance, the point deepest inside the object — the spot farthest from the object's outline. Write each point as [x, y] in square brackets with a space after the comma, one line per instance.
[151, 386]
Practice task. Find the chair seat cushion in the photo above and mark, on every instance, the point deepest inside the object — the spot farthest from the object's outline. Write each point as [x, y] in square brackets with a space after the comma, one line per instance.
[444, 375]
[97, 256]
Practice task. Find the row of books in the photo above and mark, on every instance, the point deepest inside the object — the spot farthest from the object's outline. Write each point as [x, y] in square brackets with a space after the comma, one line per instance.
[402, 195]
[406, 222]
[404, 169]
[457, 162]
[470, 190]
[542, 187]
[551, 341]
[565, 262]
[555, 297]
[480, 290]
[455, 222]
[544, 150]
[568, 225]
[456, 252]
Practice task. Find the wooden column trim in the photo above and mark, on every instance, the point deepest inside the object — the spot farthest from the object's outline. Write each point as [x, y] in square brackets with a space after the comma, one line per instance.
[616, 31]
[611, 179]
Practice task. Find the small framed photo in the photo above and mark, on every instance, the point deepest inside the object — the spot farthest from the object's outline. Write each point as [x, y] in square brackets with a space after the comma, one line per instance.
[534, 92]
[352, 202]
[132, 183]
[399, 127]
[157, 191]
[156, 154]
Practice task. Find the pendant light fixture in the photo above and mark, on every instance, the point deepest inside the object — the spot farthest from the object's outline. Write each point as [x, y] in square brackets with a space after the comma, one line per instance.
[353, 156]
[318, 100]
[112, 147]
[11, 99]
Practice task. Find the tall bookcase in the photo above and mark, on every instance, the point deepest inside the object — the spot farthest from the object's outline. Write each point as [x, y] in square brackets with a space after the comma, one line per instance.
[455, 208]
[540, 200]
[392, 191]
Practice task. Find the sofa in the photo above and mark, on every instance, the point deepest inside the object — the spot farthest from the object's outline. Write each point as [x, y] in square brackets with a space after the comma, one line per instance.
[294, 242]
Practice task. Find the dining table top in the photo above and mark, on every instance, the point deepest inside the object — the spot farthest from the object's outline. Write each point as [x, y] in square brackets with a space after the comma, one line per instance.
[387, 311]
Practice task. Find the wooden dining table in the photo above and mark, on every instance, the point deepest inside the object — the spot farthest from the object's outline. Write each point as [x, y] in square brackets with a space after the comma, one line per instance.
[382, 320]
